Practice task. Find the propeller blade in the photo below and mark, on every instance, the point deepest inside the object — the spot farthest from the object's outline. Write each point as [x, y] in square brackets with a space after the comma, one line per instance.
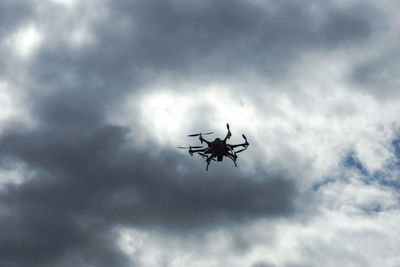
[190, 147]
[244, 137]
[192, 135]
[227, 126]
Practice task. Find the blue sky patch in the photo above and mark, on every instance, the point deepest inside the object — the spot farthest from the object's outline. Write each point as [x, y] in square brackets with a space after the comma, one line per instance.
[351, 161]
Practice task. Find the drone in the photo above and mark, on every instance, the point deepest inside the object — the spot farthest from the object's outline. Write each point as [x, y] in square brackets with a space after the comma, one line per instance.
[217, 149]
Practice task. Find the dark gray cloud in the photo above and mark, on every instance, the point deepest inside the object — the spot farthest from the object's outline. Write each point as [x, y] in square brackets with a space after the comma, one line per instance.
[379, 76]
[211, 39]
[262, 264]
[88, 178]
[12, 14]
[138, 40]
[86, 184]
[170, 35]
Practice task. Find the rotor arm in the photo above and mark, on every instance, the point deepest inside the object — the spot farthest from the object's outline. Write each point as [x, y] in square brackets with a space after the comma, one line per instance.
[228, 135]
[237, 145]
[200, 135]
[241, 150]
[198, 150]
[192, 149]
[201, 138]
[245, 144]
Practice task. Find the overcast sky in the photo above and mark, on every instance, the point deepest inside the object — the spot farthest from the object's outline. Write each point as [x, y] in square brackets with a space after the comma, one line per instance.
[95, 96]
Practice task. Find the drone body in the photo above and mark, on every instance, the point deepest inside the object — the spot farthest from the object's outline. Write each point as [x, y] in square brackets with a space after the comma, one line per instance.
[217, 149]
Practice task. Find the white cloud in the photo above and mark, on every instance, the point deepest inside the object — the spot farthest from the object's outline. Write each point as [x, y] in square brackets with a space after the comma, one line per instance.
[25, 40]
[81, 36]
[15, 173]
[67, 3]
[11, 108]
[309, 129]
[340, 232]
[307, 125]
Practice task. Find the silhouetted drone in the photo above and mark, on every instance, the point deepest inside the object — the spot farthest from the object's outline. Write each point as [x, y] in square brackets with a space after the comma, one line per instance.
[217, 148]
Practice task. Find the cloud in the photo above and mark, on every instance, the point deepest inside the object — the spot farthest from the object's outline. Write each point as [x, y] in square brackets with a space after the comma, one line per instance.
[229, 36]
[96, 181]
[379, 76]
[96, 178]
[12, 14]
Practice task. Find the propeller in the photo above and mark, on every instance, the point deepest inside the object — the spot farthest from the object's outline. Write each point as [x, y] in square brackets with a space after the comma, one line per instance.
[245, 139]
[229, 132]
[246, 144]
[190, 147]
[192, 135]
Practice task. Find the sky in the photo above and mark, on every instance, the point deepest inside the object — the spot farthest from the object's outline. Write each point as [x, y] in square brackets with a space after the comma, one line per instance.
[95, 97]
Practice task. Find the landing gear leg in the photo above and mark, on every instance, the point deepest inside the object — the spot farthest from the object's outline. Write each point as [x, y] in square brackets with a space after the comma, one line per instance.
[233, 158]
[208, 160]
